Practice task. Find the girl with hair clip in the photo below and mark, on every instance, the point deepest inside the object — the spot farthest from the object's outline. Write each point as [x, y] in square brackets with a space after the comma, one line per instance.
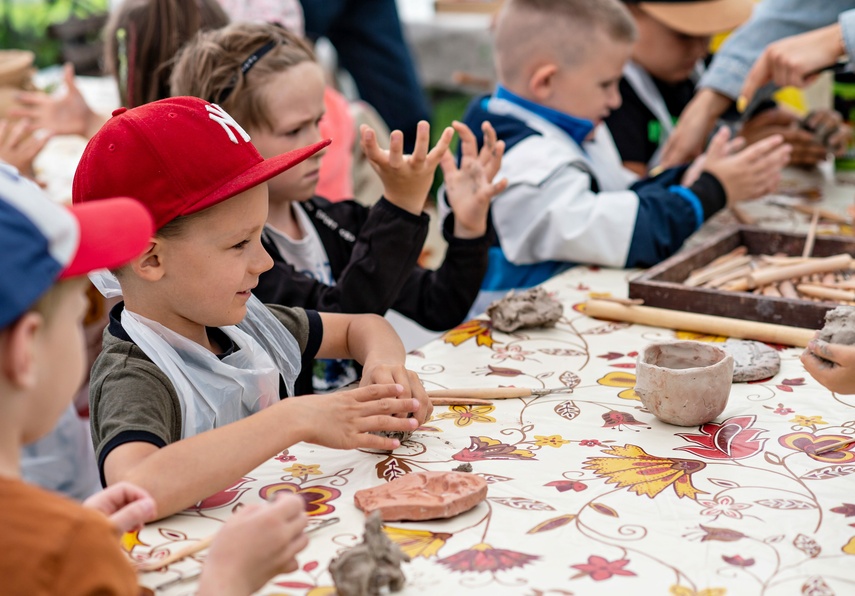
[141, 40]
[344, 257]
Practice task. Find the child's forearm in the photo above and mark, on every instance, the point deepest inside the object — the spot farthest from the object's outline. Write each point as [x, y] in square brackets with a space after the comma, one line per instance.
[188, 471]
[372, 340]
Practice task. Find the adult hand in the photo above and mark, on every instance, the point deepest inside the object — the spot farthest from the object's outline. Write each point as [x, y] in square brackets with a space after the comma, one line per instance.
[794, 60]
[689, 137]
[257, 543]
[833, 365]
[470, 188]
[127, 505]
[808, 150]
[406, 178]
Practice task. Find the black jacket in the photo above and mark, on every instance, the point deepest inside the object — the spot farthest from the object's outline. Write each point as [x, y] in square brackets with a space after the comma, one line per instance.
[373, 254]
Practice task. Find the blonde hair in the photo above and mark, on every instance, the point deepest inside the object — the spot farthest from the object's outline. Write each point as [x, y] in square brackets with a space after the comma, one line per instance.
[210, 67]
[528, 30]
[50, 301]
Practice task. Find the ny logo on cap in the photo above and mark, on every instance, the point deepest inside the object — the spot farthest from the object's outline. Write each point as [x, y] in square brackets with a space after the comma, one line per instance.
[221, 117]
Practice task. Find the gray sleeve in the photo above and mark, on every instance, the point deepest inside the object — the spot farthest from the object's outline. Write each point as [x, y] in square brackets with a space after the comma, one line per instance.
[130, 399]
[772, 20]
[847, 27]
[295, 320]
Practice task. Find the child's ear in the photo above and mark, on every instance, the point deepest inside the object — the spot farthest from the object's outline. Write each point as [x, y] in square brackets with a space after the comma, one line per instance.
[542, 81]
[149, 265]
[18, 357]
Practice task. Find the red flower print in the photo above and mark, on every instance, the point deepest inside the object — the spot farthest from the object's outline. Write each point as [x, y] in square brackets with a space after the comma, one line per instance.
[565, 485]
[223, 498]
[847, 509]
[483, 557]
[732, 439]
[738, 561]
[809, 444]
[599, 569]
[589, 443]
[316, 498]
[782, 410]
[486, 448]
[720, 534]
[616, 419]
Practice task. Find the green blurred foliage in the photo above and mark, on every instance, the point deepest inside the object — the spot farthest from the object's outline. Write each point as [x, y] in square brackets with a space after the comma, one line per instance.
[24, 24]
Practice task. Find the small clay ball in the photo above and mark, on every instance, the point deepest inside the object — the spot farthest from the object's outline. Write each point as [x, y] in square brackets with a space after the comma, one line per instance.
[839, 326]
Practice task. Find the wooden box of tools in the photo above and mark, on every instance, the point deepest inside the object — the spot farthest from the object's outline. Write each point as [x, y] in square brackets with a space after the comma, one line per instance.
[664, 286]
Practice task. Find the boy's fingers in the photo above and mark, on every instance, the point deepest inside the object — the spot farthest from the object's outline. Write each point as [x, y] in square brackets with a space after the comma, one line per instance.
[369, 144]
[18, 132]
[134, 514]
[387, 423]
[495, 163]
[376, 443]
[420, 149]
[448, 165]
[761, 147]
[468, 144]
[396, 149]
[498, 187]
[374, 392]
[441, 146]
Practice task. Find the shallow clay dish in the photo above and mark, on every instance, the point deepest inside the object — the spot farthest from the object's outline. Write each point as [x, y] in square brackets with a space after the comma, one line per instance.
[686, 383]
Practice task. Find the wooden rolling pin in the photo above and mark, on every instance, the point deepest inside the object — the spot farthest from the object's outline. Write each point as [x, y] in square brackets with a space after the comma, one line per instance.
[773, 274]
[494, 392]
[688, 321]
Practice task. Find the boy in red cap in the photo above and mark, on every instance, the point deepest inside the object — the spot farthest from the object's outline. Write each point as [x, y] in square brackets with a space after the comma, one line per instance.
[193, 365]
[50, 544]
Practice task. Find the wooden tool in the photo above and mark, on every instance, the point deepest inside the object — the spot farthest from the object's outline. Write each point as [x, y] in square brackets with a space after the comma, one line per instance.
[772, 274]
[192, 549]
[497, 392]
[689, 321]
[459, 401]
[834, 446]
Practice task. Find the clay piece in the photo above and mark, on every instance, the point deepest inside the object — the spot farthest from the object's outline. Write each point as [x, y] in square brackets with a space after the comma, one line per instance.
[531, 308]
[686, 383]
[423, 495]
[839, 326]
[752, 360]
[401, 435]
[372, 567]
[464, 467]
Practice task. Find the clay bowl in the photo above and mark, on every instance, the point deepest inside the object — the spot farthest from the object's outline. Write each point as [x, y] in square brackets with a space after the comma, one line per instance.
[686, 383]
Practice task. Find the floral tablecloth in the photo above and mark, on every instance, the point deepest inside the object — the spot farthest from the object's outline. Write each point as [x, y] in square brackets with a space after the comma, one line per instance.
[588, 492]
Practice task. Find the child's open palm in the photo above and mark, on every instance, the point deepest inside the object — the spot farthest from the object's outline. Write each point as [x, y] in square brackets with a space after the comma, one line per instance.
[406, 178]
[470, 188]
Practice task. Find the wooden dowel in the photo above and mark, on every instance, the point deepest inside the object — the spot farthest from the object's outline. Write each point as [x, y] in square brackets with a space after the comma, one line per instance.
[483, 392]
[823, 213]
[181, 553]
[673, 319]
[697, 278]
[769, 275]
[735, 274]
[819, 291]
[811, 235]
[834, 446]
[771, 290]
[459, 401]
[788, 289]
[742, 216]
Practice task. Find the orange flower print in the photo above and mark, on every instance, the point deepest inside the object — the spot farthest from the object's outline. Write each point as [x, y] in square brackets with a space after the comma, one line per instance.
[483, 448]
[466, 415]
[621, 379]
[417, 543]
[809, 444]
[479, 329]
[483, 557]
[646, 474]
[317, 498]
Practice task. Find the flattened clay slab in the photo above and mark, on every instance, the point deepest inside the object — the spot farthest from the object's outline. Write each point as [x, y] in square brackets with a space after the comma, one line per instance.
[839, 326]
[423, 495]
[531, 308]
[752, 360]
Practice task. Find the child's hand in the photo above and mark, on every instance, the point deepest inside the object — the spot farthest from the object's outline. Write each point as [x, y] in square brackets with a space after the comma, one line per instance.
[833, 365]
[346, 419]
[128, 506]
[406, 178]
[750, 172]
[469, 188]
[256, 543]
[19, 145]
[384, 373]
[69, 114]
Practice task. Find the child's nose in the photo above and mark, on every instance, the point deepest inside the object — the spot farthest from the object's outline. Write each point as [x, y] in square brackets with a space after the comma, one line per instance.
[262, 261]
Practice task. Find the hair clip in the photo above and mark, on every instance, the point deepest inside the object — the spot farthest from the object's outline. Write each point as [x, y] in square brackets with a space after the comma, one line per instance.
[245, 67]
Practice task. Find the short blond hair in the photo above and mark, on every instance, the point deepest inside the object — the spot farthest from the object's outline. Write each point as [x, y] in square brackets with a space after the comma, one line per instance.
[210, 66]
[528, 30]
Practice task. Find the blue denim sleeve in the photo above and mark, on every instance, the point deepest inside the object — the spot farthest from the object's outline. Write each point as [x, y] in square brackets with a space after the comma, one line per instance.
[773, 20]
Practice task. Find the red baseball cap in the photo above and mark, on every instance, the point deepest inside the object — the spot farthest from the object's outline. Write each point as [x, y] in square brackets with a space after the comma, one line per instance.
[177, 156]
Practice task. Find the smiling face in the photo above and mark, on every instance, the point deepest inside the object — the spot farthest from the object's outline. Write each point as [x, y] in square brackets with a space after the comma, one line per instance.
[589, 89]
[205, 273]
[666, 54]
[295, 103]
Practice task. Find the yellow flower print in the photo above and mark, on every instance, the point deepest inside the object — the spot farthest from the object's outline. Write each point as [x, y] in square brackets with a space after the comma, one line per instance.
[417, 543]
[480, 330]
[646, 474]
[131, 540]
[692, 336]
[621, 379]
[466, 415]
[550, 441]
[811, 421]
[687, 591]
[302, 471]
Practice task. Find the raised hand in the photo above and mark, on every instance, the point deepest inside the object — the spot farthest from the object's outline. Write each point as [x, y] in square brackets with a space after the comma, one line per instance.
[257, 543]
[128, 506]
[20, 143]
[470, 188]
[69, 114]
[406, 178]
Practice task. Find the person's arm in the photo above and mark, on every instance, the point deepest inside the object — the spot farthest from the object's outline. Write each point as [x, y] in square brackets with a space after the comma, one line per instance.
[187, 471]
[722, 82]
[387, 247]
[371, 341]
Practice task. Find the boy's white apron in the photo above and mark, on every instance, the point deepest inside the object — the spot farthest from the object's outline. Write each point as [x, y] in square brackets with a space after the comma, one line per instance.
[215, 392]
